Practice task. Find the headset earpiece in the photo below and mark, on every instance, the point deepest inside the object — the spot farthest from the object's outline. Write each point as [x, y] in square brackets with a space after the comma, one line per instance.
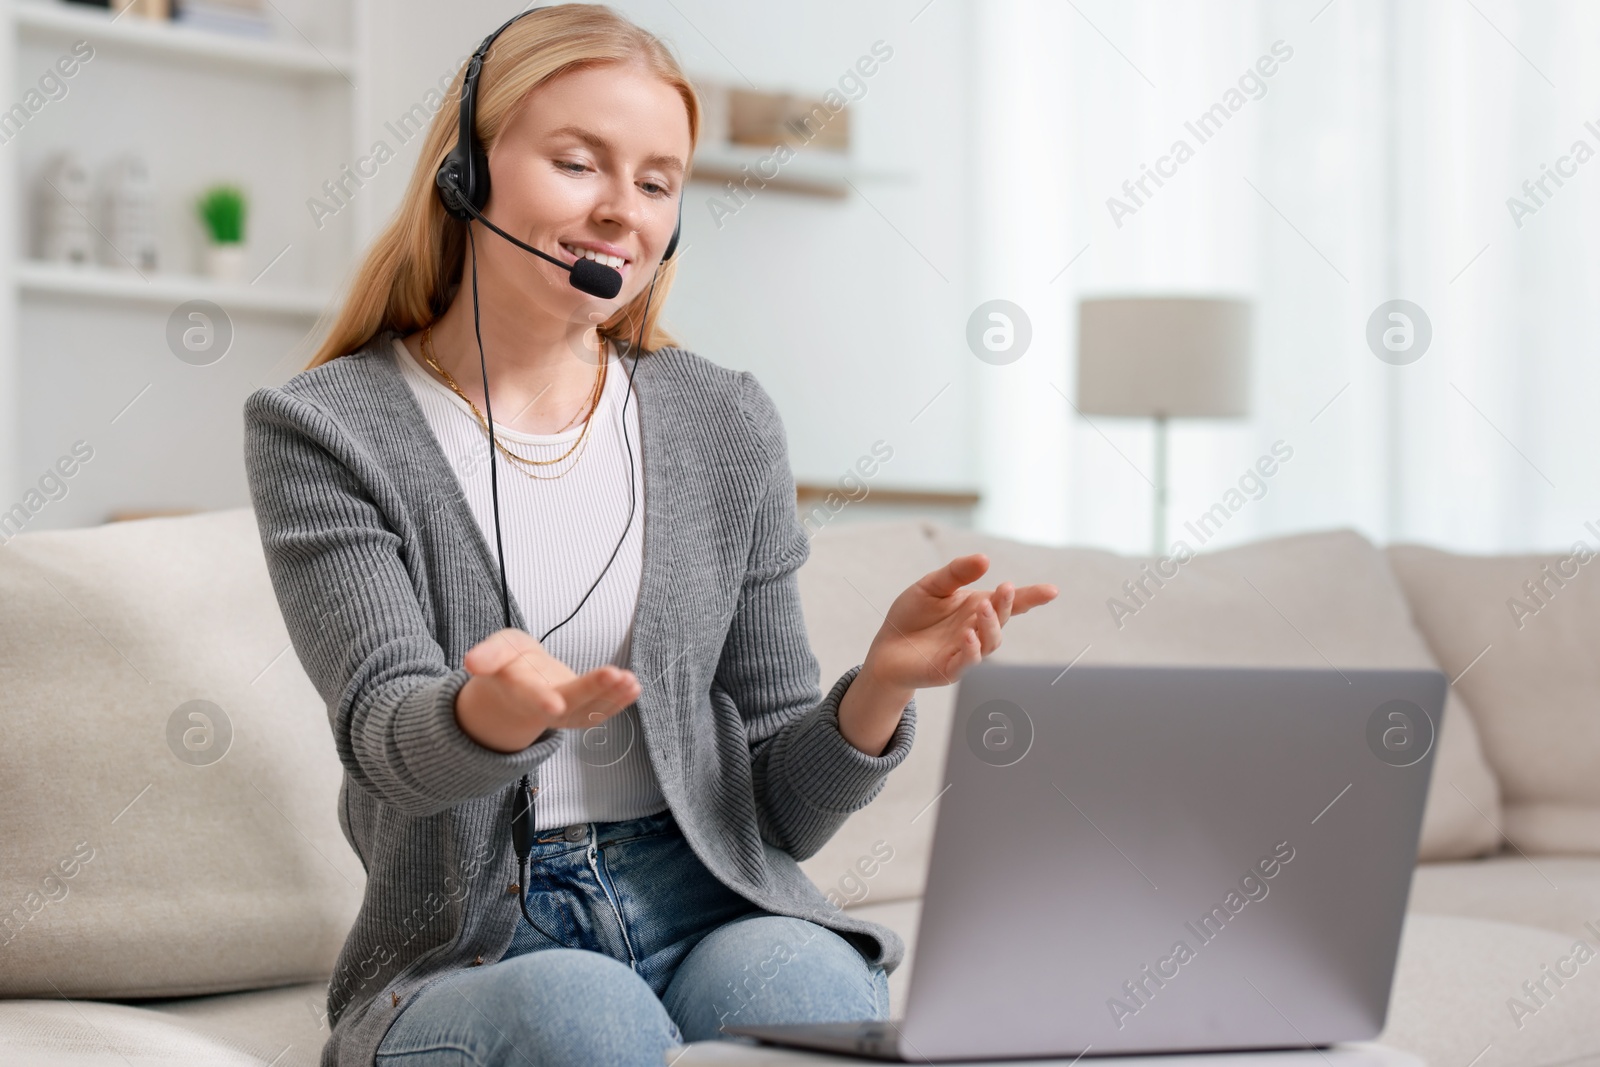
[464, 174]
[449, 182]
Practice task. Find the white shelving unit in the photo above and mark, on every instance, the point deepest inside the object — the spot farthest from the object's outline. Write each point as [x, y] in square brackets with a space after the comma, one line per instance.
[51, 20]
[279, 116]
[36, 278]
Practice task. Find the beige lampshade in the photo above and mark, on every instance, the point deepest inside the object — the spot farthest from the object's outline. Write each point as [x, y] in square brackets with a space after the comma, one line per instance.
[1182, 357]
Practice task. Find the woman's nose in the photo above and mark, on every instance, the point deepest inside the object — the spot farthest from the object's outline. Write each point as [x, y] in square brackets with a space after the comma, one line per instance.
[628, 207]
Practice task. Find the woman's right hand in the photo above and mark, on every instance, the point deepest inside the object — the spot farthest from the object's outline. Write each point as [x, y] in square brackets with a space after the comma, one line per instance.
[518, 691]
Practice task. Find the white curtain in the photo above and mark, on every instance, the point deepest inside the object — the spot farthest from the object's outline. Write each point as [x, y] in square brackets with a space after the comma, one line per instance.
[1374, 163]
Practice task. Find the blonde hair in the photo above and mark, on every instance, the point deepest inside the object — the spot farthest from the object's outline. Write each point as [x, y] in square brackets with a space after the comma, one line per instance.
[413, 269]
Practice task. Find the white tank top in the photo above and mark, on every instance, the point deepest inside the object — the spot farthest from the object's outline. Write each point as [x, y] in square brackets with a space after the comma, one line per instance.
[557, 537]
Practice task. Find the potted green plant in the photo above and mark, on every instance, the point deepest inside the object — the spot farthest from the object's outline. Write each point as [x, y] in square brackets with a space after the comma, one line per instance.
[222, 210]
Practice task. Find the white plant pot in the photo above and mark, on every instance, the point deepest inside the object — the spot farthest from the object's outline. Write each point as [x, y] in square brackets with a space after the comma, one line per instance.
[225, 263]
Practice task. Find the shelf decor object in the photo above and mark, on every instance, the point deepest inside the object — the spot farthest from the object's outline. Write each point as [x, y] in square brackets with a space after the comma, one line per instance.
[62, 196]
[222, 209]
[127, 215]
[761, 119]
[1164, 357]
[150, 9]
[245, 18]
[793, 142]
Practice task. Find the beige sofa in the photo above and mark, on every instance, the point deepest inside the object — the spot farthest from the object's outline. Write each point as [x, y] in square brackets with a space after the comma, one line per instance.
[176, 887]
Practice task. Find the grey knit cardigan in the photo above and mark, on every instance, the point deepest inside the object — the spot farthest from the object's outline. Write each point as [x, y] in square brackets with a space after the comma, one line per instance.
[385, 581]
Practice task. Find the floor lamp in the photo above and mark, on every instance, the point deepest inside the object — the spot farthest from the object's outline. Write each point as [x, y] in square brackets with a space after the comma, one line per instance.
[1163, 358]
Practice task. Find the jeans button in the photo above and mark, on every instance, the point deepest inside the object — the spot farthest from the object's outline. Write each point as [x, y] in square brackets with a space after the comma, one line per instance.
[577, 831]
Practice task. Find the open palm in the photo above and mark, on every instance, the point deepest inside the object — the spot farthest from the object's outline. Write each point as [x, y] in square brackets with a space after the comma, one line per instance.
[938, 627]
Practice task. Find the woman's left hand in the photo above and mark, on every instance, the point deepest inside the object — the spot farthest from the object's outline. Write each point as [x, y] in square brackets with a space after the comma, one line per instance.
[934, 630]
[938, 627]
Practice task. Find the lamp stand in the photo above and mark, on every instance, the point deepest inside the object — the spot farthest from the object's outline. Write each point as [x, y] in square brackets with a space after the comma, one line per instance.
[1159, 532]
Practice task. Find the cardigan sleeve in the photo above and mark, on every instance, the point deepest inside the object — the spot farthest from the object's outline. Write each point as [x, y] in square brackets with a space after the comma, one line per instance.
[808, 778]
[355, 618]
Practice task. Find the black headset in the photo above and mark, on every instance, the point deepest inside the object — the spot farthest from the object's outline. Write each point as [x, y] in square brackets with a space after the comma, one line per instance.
[462, 182]
[463, 177]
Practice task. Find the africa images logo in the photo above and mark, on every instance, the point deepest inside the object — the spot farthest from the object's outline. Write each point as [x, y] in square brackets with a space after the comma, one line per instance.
[999, 733]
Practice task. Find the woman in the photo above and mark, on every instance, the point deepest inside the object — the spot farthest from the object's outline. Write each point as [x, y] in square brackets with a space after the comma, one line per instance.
[668, 723]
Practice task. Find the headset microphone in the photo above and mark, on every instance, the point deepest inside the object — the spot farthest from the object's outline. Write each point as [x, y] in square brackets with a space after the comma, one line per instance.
[596, 279]
[588, 276]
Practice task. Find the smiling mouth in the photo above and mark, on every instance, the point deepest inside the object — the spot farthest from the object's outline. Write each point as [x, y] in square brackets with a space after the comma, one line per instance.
[614, 262]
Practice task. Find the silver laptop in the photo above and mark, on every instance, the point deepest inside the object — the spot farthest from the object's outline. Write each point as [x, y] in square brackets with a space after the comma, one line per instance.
[1162, 860]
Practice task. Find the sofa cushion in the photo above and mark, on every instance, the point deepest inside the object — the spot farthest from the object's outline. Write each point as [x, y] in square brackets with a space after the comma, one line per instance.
[277, 1027]
[1521, 633]
[171, 765]
[1308, 600]
[1458, 984]
[855, 571]
[1559, 893]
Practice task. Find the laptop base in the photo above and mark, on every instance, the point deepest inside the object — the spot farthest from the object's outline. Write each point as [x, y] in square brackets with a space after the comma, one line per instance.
[799, 1045]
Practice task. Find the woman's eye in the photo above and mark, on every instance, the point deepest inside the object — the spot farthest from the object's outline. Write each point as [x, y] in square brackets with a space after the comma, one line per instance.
[653, 188]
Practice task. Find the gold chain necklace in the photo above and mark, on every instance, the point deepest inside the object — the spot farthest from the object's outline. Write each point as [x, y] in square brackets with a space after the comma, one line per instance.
[523, 461]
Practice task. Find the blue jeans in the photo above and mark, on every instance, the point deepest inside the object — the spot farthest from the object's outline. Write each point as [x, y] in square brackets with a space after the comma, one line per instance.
[653, 952]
